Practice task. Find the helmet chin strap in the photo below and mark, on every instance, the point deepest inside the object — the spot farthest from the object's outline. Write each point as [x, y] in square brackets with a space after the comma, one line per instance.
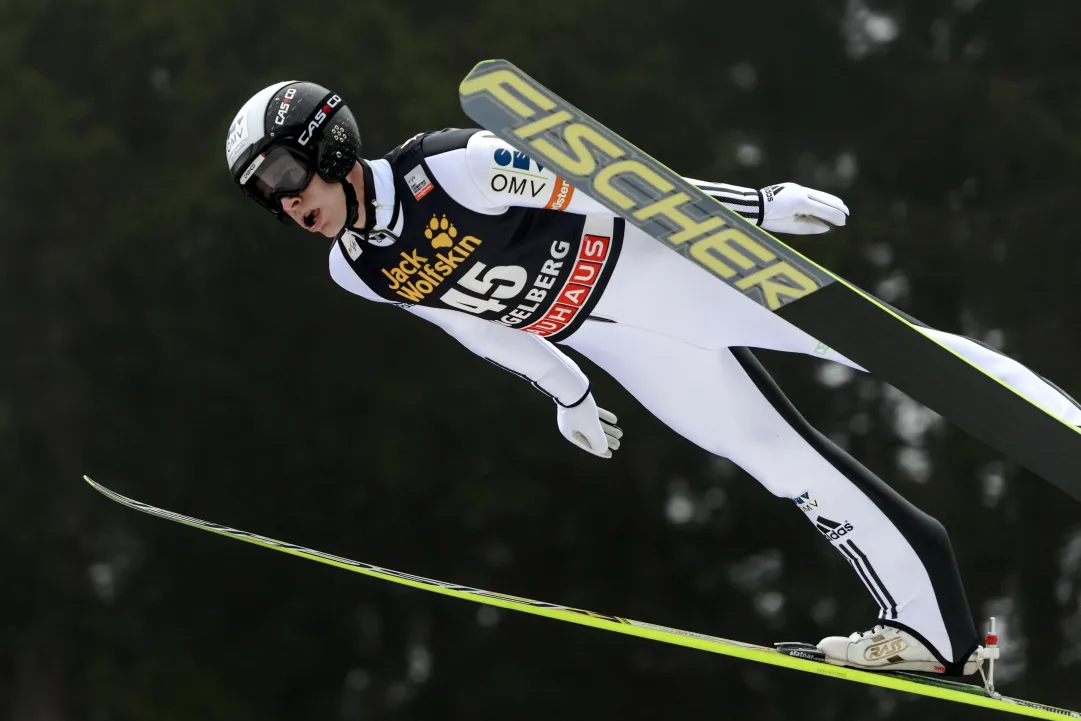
[352, 209]
[352, 206]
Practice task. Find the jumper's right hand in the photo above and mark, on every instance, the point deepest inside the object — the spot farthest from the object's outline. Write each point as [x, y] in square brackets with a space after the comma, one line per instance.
[590, 428]
[794, 209]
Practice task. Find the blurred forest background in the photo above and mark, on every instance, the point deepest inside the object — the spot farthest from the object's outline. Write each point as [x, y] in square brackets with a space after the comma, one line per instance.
[165, 336]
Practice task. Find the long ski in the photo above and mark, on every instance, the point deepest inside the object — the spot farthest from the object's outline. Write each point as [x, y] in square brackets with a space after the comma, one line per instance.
[941, 688]
[536, 121]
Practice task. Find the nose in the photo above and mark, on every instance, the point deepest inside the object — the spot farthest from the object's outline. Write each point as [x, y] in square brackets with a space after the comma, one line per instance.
[290, 203]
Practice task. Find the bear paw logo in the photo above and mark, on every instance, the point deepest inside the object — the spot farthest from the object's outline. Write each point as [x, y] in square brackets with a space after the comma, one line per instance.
[441, 232]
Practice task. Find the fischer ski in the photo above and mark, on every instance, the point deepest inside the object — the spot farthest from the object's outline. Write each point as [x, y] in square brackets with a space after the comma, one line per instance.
[536, 121]
[799, 657]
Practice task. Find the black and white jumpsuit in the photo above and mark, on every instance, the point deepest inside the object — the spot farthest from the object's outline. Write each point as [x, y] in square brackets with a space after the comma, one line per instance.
[677, 340]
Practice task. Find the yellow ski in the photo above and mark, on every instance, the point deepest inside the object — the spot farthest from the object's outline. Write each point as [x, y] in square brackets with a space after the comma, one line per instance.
[923, 685]
[508, 102]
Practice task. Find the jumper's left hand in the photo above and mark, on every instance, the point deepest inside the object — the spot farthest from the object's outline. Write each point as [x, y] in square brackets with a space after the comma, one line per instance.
[792, 208]
[590, 428]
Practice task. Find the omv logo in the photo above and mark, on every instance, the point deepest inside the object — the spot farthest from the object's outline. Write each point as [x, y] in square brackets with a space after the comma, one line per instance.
[513, 159]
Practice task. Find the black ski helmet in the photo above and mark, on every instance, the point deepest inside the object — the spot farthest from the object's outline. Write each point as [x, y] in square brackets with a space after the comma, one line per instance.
[286, 133]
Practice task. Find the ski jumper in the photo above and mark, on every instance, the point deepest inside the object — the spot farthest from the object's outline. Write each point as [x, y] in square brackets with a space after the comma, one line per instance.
[510, 260]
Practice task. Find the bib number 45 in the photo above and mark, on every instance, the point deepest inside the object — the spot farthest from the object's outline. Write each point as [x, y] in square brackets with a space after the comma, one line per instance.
[486, 286]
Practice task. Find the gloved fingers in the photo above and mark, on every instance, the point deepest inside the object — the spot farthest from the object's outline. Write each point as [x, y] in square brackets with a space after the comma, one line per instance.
[583, 442]
[611, 431]
[809, 225]
[828, 207]
[797, 225]
[590, 428]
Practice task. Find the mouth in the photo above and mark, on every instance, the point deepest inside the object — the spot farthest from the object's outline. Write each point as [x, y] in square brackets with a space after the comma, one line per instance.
[311, 219]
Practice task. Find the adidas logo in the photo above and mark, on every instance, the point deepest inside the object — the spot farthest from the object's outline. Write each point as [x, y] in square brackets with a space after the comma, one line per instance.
[771, 192]
[832, 529]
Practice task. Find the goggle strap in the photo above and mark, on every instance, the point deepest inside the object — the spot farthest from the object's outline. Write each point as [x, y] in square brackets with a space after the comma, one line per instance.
[252, 168]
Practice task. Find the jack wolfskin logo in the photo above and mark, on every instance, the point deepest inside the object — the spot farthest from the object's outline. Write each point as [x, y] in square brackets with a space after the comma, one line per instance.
[414, 276]
[884, 648]
[441, 232]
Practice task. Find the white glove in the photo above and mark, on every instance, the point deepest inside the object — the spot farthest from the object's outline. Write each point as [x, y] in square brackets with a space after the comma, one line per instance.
[792, 208]
[590, 428]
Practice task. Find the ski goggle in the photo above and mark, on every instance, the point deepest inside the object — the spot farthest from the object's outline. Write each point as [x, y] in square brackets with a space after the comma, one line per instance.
[278, 172]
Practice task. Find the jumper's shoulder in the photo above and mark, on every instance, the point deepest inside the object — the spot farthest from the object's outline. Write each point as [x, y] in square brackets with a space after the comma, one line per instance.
[434, 142]
[446, 140]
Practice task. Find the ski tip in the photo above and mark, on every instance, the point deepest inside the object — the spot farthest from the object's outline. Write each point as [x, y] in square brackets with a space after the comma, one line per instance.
[91, 481]
[466, 87]
[489, 61]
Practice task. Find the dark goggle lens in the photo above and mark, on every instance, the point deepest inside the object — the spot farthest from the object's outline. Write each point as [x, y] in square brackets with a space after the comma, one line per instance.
[280, 172]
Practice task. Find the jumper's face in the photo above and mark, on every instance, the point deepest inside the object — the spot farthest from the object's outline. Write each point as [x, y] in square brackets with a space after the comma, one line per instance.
[320, 207]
